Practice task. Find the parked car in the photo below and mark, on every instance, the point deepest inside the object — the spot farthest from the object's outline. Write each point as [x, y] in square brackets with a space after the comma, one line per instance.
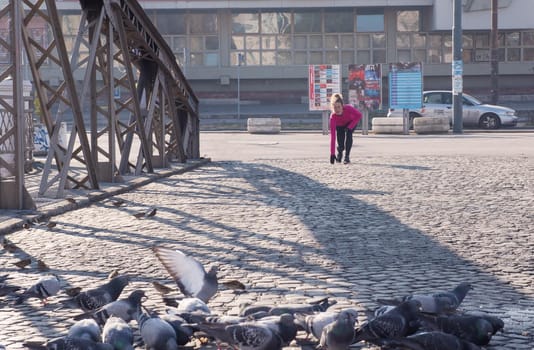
[474, 112]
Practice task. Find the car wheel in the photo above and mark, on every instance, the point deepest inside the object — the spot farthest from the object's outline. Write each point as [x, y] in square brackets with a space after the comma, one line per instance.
[489, 121]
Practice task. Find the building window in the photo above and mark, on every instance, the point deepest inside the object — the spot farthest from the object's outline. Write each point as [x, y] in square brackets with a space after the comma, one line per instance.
[307, 22]
[369, 20]
[408, 21]
[339, 21]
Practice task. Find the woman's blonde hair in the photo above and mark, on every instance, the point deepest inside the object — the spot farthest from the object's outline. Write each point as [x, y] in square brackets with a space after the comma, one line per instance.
[337, 97]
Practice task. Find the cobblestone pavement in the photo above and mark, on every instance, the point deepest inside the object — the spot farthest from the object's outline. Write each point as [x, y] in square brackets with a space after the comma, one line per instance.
[299, 229]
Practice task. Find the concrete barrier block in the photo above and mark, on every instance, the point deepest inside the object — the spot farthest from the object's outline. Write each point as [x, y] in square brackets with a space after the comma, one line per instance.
[431, 125]
[264, 125]
[384, 125]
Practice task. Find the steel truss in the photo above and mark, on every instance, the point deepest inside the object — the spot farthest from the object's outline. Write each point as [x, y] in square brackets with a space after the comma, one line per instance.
[155, 110]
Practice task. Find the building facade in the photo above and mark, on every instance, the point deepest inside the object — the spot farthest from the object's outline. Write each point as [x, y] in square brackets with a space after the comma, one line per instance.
[268, 44]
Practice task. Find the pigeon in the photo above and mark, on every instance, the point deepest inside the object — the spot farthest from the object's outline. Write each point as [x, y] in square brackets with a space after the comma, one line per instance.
[188, 273]
[192, 305]
[233, 284]
[118, 333]
[317, 306]
[473, 328]
[151, 212]
[118, 202]
[429, 341]
[86, 329]
[245, 336]
[313, 324]
[139, 215]
[93, 299]
[179, 324]
[9, 246]
[70, 200]
[156, 332]
[339, 334]
[68, 343]
[436, 303]
[163, 289]
[125, 309]
[72, 292]
[42, 266]
[44, 288]
[399, 322]
[23, 263]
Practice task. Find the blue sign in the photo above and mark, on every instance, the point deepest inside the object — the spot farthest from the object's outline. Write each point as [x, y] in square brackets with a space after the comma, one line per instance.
[405, 85]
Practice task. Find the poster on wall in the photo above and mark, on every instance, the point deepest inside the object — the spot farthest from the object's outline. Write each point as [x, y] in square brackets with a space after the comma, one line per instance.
[365, 86]
[406, 85]
[323, 81]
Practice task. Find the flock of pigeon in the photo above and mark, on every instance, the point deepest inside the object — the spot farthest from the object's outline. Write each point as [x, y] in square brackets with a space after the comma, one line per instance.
[418, 321]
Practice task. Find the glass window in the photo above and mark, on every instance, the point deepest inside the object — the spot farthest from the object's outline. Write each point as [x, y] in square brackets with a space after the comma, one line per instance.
[512, 39]
[202, 23]
[528, 54]
[268, 58]
[316, 42]
[404, 56]
[379, 56]
[379, 40]
[252, 58]
[300, 42]
[332, 57]
[245, 23]
[513, 55]
[528, 38]
[419, 40]
[347, 41]
[419, 56]
[275, 22]
[252, 42]
[403, 41]
[363, 57]
[482, 40]
[331, 41]
[467, 41]
[211, 59]
[196, 59]
[179, 42]
[238, 42]
[284, 41]
[339, 21]
[408, 21]
[347, 57]
[197, 43]
[434, 55]
[301, 57]
[307, 22]
[268, 42]
[363, 41]
[71, 23]
[284, 57]
[316, 57]
[434, 41]
[212, 43]
[369, 20]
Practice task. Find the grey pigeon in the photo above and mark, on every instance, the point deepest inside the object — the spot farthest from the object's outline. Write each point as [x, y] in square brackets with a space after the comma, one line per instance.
[68, 343]
[156, 333]
[118, 333]
[313, 324]
[429, 341]
[188, 273]
[193, 305]
[436, 303]
[125, 308]
[304, 308]
[95, 298]
[183, 331]
[283, 325]
[339, 334]
[86, 329]
[245, 336]
[473, 328]
[45, 287]
[399, 322]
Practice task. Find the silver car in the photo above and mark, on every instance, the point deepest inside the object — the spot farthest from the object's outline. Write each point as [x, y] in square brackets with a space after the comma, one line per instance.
[475, 113]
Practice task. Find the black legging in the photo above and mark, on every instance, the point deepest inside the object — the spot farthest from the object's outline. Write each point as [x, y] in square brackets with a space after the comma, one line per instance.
[344, 140]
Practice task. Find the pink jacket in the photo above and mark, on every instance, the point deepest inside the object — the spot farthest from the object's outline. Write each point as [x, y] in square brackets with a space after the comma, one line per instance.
[349, 119]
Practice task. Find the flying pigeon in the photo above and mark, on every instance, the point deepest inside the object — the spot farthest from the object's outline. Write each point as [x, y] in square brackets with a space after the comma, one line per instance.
[93, 299]
[313, 324]
[436, 303]
[45, 287]
[86, 329]
[188, 273]
[339, 334]
[118, 333]
[67, 343]
[473, 328]
[124, 308]
[429, 341]
[399, 322]
[317, 306]
[156, 332]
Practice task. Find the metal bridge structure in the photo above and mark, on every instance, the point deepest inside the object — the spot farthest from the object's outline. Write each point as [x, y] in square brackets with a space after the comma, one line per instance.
[152, 122]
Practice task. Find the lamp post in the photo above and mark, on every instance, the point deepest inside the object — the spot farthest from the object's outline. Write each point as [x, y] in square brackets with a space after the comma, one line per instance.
[457, 68]
[240, 60]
